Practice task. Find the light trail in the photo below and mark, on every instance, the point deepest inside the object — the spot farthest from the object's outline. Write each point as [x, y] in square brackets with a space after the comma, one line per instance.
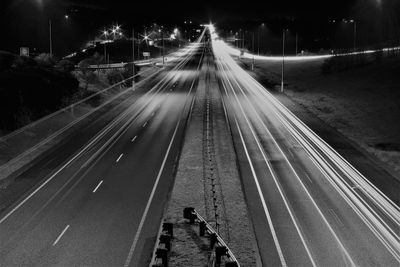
[373, 207]
[236, 52]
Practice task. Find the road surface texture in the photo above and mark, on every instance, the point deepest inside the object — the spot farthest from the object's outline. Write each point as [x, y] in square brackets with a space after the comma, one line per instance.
[309, 206]
[102, 205]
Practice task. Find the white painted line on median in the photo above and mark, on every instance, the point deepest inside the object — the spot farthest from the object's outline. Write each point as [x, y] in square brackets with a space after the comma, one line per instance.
[134, 138]
[62, 233]
[120, 156]
[97, 187]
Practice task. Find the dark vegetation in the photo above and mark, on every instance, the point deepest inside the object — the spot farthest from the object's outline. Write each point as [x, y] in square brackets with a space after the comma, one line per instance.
[347, 62]
[32, 88]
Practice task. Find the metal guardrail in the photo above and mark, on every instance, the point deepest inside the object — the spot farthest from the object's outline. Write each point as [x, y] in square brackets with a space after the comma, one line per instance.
[163, 246]
[216, 242]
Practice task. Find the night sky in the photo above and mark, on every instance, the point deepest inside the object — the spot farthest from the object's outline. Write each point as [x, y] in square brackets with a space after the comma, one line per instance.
[24, 22]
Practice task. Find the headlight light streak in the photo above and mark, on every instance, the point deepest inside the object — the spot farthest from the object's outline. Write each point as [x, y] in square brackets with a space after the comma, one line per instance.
[375, 209]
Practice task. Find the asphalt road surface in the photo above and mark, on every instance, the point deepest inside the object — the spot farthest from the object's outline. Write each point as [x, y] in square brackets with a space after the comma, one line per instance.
[309, 206]
[102, 205]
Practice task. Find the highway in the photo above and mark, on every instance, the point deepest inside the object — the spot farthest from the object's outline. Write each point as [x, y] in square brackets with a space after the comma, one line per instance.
[102, 205]
[309, 206]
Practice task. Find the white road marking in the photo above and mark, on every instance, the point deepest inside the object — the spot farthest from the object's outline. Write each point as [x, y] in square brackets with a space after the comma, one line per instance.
[298, 178]
[97, 187]
[336, 217]
[62, 233]
[260, 194]
[134, 138]
[136, 238]
[66, 165]
[308, 177]
[120, 156]
[144, 125]
[146, 210]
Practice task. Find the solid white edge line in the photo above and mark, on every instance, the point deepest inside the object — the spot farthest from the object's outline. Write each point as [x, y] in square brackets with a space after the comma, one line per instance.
[274, 177]
[97, 187]
[137, 234]
[146, 210]
[75, 156]
[62, 233]
[271, 226]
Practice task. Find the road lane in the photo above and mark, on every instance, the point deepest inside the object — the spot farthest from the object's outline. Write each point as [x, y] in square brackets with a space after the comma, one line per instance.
[65, 223]
[316, 200]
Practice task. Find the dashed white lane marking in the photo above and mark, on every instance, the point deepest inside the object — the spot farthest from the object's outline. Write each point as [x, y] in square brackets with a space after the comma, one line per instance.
[134, 138]
[97, 187]
[337, 219]
[308, 177]
[120, 156]
[62, 233]
[144, 125]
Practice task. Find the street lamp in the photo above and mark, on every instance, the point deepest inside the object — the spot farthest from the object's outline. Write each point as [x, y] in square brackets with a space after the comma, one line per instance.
[50, 39]
[354, 33]
[258, 38]
[162, 50]
[354, 22]
[283, 58]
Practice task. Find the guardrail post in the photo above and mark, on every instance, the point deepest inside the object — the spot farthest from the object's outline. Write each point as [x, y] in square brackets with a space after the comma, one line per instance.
[219, 252]
[202, 227]
[213, 240]
[168, 227]
[188, 214]
[231, 264]
[162, 254]
[166, 240]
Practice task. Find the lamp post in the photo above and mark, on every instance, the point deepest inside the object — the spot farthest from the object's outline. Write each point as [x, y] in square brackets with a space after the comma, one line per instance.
[133, 54]
[252, 65]
[283, 58]
[50, 39]
[354, 35]
[258, 38]
[162, 48]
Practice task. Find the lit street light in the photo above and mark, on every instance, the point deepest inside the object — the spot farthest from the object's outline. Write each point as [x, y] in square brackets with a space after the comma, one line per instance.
[354, 34]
